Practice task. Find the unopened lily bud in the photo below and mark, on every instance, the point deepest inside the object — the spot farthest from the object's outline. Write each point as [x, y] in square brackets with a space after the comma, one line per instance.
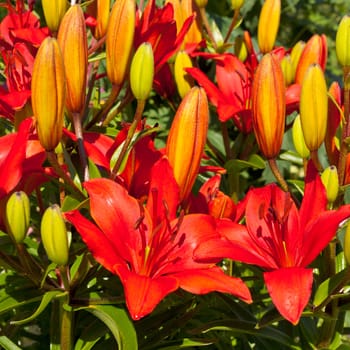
[142, 72]
[236, 4]
[315, 51]
[18, 215]
[268, 106]
[73, 43]
[298, 139]
[119, 40]
[54, 11]
[201, 3]
[187, 138]
[222, 206]
[314, 107]
[342, 42]
[347, 244]
[48, 93]
[100, 9]
[240, 48]
[54, 235]
[184, 81]
[295, 55]
[287, 69]
[269, 21]
[330, 181]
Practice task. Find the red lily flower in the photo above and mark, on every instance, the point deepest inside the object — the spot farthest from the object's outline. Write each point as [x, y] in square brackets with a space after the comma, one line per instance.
[281, 239]
[20, 37]
[232, 95]
[149, 247]
[158, 27]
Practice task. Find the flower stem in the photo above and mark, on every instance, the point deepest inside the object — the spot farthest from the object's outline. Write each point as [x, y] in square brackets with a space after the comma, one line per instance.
[276, 172]
[316, 160]
[82, 154]
[51, 156]
[232, 25]
[137, 118]
[207, 27]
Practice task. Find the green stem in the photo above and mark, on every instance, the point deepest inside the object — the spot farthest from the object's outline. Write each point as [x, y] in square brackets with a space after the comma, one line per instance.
[276, 172]
[137, 118]
[80, 140]
[106, 107]
[346, 128]
[207, 27]
[226, 139]
[66, 329]
[232, 25]
[51, 156]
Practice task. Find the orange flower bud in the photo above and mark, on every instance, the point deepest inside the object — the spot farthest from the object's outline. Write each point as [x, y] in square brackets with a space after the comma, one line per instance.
[269, 21]
[48, 93]
[184, 81]
[331, 141]
[54, 11]
[73, 43]
[295, 55]
[315, 51]
[194, 34]
[342, 42]
[100, 10]
[314, 107]
[142, 72]
[119, 40]
[222, 206]
[268, 106]
[187, 138]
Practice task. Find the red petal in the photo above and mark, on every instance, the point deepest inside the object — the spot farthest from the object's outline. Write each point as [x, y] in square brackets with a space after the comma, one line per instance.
[99, 245]
[290, 290]
[204, 281]
[315, 200]
[318, 234]
[164, 192]
[11, 168]
[144, 293]
[235, 244]
[117, 214]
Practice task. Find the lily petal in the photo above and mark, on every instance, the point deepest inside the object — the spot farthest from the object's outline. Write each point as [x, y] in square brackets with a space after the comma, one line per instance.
[290, 290]
[144, 293]
[99, 245]
[204, 281]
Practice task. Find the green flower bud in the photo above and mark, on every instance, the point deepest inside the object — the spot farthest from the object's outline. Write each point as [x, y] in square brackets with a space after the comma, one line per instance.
[142, 72]
[342, 41]
[240, 48]
[237, 4]
[18, 215]
[54, 235]
[201, 3]
[298, 139]
[287, 69]
[184, 81]
[330, 181]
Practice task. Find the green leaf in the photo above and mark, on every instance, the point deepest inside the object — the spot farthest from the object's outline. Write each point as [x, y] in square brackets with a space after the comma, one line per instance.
[71, 203]
[329, 286]
[46, 299]
[7, 344]
[254, 161]
[185, 343]
[119, 323]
